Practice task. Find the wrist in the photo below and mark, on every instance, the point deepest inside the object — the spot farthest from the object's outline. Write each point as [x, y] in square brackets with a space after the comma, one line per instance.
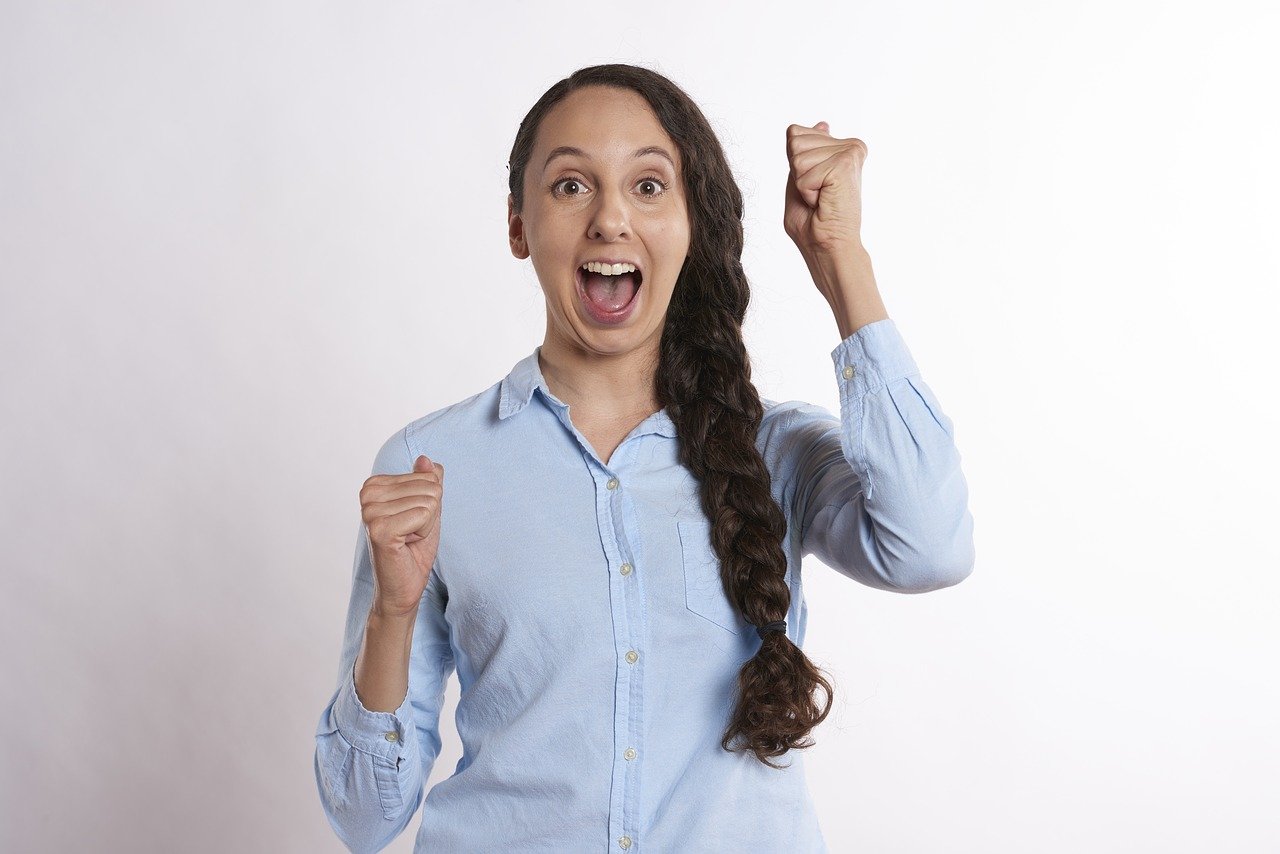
[833, 264]
[845, 278]
[390, 616]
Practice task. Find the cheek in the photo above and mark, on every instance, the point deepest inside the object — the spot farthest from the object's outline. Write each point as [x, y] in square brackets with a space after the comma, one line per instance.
[676, 231]
[667, 235]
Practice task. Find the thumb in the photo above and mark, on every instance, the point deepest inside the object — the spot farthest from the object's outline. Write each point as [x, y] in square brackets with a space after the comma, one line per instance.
[423, 463]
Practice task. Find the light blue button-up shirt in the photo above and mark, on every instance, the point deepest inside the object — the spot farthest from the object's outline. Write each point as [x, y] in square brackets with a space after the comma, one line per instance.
[581, 605]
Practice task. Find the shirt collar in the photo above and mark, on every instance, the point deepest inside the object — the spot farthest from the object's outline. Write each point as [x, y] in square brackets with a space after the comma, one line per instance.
[526, 377]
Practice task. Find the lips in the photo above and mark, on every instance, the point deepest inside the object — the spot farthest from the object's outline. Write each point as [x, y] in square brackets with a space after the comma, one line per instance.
[595, 311]
[578, 273]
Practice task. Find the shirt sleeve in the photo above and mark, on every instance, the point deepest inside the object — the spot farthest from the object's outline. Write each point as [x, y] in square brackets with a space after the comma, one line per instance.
[878, 493]
[371, 766]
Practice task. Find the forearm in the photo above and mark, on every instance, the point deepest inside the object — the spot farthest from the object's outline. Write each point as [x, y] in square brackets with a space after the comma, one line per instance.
[847, 281]
[382, 665]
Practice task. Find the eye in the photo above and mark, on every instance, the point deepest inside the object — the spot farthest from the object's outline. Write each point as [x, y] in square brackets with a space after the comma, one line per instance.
[565, 181]
[656, 181]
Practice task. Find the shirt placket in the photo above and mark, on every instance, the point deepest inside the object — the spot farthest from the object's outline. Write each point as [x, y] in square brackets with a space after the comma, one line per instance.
[615, 516]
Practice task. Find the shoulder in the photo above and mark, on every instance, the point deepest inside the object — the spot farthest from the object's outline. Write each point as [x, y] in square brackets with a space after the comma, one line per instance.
[467, 418]
[437, 431]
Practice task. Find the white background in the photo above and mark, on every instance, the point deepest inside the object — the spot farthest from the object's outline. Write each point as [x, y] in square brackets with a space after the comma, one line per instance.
[241, 243]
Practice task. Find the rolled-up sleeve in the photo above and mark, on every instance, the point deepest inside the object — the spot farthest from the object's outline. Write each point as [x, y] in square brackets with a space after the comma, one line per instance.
[878, 492]
[371, 766]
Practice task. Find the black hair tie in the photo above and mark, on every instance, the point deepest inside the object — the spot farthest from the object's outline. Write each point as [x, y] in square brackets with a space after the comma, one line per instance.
[775, 626]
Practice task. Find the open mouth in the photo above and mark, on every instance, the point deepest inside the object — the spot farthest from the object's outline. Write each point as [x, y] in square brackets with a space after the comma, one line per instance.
[609, 294]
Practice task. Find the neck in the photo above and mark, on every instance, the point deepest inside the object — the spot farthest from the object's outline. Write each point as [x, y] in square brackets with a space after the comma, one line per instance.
[600, 384]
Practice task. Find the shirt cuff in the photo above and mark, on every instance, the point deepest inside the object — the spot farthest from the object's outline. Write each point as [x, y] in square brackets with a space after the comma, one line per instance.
[388, 735]
[871, 358]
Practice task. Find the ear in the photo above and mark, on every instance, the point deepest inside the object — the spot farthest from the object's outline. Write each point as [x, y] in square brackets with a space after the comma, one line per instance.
[515, 230]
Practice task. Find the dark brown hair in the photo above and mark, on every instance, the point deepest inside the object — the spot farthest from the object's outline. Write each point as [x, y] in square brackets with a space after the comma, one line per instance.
[704, 381]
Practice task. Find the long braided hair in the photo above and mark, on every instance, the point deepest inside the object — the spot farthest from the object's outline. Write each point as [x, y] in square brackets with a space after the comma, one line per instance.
[703, 380]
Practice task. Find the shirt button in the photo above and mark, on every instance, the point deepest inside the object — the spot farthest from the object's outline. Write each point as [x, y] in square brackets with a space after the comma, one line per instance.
[631, 656]
[625, 569]
[848, 372]
[630, 753]
[613, 483]
[391, 736]
[624, 841]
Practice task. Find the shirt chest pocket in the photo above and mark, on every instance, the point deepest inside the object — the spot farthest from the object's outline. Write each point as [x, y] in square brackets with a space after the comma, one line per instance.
[704, 593]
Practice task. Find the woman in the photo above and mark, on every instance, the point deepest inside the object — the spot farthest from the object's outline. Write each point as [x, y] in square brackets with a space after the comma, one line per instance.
[618, 563]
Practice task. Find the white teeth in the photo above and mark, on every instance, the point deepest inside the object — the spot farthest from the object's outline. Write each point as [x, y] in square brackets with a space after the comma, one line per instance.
[609, 269]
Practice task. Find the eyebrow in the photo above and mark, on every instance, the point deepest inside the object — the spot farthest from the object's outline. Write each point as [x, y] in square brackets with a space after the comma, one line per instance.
[569, 150]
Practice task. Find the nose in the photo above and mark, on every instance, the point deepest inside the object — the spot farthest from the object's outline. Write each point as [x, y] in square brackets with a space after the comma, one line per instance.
[609, 219]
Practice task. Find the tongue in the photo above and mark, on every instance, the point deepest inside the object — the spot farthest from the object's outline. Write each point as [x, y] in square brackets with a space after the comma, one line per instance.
[609, 293]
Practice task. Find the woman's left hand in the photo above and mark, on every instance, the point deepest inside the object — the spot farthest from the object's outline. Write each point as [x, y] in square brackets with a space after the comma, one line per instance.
[823, 212]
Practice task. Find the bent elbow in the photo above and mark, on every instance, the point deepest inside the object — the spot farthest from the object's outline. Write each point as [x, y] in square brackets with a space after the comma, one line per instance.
[951, 574]
[936, 574]
[950, 560]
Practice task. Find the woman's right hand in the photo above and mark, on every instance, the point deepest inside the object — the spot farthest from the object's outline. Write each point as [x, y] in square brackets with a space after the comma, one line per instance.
[401, 514]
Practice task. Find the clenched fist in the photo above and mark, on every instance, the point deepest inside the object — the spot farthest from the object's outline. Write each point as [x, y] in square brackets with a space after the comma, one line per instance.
[823, 212]
[401, 514]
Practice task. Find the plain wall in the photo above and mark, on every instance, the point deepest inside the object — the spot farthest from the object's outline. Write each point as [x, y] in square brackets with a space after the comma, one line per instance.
[241, 243]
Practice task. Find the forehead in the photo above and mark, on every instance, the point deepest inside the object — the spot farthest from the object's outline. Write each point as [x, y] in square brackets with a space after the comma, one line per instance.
[607, 124]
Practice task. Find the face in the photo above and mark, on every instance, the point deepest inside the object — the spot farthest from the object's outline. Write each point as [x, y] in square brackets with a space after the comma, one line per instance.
[602, 202]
